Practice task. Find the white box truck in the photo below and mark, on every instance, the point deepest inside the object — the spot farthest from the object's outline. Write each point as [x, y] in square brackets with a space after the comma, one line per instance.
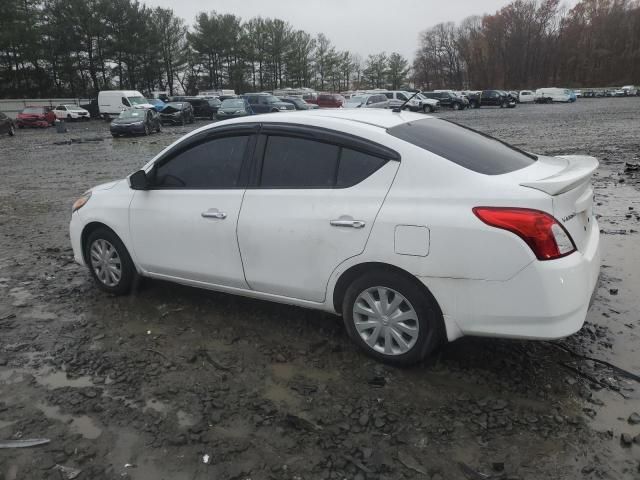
[112, 102]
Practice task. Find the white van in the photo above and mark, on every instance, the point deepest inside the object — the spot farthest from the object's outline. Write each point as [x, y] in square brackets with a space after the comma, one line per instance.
[526, 96]
[112, 102]
[555, 94]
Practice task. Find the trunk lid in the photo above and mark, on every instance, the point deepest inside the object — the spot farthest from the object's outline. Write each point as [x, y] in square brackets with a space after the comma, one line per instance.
[568, 180]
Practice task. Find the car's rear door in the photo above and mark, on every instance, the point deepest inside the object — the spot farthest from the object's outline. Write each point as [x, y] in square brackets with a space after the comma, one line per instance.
[184, 226]
[312, 206]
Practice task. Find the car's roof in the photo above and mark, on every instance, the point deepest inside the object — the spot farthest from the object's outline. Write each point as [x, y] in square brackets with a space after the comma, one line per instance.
[376, 117]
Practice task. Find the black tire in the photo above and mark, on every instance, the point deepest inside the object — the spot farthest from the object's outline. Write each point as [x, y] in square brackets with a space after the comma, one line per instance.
[159, 129]
[115, 135]
[21, 126]
[184, 121]
[12, 130]
[430, 322]
[504, 105]
[426, 108]
[69, 117]
[146, 129]
[128, 270]
[456, 106]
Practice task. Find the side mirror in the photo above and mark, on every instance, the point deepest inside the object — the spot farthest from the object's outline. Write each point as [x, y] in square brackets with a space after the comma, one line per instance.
[139, 180]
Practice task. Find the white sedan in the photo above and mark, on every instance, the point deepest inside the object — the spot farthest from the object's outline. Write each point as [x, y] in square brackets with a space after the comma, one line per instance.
[71, 112]
[414, 229]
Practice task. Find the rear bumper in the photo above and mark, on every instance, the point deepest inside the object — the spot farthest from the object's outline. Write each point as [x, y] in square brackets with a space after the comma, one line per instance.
[32, 123]
[545, 300]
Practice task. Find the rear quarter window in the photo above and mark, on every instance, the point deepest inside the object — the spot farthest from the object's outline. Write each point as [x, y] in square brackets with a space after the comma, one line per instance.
[463, 146]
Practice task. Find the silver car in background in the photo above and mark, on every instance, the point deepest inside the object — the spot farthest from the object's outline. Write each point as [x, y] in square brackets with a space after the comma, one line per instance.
[367, 100]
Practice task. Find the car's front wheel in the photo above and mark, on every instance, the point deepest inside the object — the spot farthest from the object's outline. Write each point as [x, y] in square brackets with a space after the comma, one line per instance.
[391, 318]
[109, 262]
[456, 106]
[12, 130]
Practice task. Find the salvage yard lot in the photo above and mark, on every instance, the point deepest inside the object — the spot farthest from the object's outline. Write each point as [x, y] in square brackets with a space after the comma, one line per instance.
[159, 379]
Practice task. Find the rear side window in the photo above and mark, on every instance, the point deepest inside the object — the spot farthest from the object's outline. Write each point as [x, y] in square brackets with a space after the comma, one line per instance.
[461, 145]
[301, 163]
[355, 166]
[298, 163]
[213, 164]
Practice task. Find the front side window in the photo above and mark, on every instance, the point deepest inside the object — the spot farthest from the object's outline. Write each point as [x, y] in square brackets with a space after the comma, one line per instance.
[213, 164]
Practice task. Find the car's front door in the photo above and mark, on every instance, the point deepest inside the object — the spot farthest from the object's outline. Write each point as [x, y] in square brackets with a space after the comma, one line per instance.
[313, 206]
[184, 226]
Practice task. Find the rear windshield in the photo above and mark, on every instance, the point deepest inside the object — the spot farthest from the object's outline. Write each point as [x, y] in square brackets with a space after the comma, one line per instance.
[464, 146]
[38, 110]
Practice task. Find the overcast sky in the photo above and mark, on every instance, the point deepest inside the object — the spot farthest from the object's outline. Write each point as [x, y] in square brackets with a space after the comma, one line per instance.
[361, 26]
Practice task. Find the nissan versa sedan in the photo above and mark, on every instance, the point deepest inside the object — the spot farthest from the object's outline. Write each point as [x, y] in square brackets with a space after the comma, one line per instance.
[414, 229]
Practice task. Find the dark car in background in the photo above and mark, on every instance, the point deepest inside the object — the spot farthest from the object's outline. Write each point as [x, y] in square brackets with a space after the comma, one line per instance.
[266, 103]
[35, 117]
[7, 125]
[204, 107]
[234, 108]
[298, 103]
[492, 98]
[177, 113]
[448, 100]
[92, 107]
[136, 121]
[330, 100]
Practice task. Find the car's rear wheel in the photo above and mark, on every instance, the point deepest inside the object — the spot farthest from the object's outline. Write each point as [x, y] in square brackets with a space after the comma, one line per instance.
[456, 106]
[12, 130]
[391, 318]
[109, 262]
[159, 129]
[146, 129]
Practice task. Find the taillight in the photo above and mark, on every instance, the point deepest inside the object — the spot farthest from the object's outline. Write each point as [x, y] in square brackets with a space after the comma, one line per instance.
[543, 233]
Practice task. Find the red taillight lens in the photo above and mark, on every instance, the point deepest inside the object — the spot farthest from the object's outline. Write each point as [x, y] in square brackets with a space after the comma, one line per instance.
[543, 233]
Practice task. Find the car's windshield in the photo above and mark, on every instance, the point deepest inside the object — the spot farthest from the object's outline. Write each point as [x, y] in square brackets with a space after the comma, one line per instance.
[132, 113]
[271, 99]
[73, 107]
[37, 110]
[137, 100]
[176, 105]
[357, 99]
[232, 103]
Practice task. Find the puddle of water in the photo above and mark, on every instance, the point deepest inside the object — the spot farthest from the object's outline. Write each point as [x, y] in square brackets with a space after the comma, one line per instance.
[82, 424]
[286, 371]
[280, 394]
[4, 424]
[59, 379]
[11, 376]
[185, 419]
[157, 405]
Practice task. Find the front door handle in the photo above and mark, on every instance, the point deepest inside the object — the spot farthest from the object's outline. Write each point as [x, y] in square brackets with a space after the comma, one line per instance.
[214, 213]
[347, 223]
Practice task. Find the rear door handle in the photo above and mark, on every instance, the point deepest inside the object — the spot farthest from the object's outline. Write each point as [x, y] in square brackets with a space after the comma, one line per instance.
[214, 213]
[347, 223]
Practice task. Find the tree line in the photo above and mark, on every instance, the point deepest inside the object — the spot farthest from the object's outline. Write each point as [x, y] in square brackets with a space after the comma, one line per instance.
[531, 43]
[79, 47]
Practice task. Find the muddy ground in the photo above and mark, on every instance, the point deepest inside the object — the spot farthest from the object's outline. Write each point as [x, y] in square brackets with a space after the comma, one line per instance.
[147, 386]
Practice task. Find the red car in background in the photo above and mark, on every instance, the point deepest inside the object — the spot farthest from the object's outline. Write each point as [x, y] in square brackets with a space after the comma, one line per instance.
[330, 100]
[35, 117]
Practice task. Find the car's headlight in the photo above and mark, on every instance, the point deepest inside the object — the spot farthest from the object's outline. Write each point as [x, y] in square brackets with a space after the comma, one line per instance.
[283, 108]
[81, 202]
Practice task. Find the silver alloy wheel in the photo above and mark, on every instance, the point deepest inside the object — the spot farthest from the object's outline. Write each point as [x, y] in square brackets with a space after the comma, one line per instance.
[385, 320]
[106, 262]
